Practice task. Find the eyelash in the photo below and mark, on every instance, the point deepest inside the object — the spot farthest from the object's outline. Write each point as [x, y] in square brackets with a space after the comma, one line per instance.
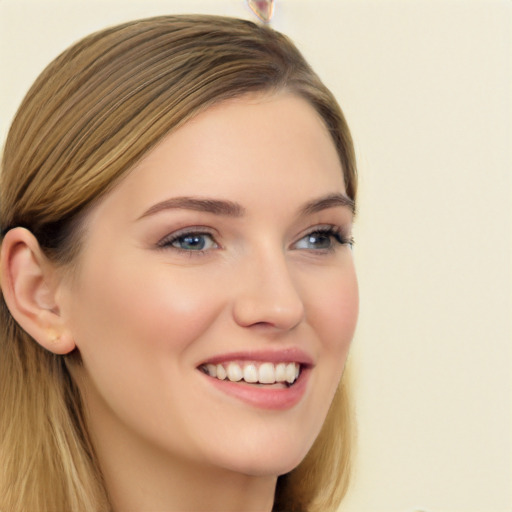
[168, 241]
[335, 233]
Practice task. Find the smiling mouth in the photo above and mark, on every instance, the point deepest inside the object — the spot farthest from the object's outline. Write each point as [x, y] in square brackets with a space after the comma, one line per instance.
[256, 373]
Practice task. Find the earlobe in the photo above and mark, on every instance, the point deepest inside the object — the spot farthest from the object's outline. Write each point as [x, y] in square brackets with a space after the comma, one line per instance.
[28, 284]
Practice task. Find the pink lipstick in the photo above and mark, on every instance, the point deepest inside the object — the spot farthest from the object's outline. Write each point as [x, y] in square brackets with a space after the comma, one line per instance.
[264, 379]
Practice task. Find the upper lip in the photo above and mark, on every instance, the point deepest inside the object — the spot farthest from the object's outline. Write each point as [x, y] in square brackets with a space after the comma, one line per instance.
[287, 355]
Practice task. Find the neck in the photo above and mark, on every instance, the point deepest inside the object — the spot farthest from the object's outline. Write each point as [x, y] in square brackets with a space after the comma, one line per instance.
[139, 476]
[149, 486]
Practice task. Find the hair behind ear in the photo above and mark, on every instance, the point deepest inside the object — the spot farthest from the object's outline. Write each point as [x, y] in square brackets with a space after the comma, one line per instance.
[46, 462]
[40, 410]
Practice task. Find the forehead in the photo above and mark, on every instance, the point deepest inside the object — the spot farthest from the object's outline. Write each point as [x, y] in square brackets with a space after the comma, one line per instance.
[253, 149]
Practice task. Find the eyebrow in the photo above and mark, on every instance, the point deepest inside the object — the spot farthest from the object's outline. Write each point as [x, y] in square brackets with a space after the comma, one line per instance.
[232, 209]
[215, 206]
[329, 201]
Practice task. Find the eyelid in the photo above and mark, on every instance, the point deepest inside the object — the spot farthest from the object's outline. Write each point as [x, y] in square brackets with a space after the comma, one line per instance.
[340, 233]
[167, 240]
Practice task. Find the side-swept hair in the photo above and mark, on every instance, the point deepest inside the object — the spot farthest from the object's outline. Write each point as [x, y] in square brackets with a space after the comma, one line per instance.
[92, 114]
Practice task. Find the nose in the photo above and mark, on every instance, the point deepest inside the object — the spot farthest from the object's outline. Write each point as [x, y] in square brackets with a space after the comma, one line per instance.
[267, 294]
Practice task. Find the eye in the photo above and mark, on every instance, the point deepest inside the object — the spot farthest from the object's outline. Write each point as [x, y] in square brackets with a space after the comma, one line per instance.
[323, 239]
[189, 241]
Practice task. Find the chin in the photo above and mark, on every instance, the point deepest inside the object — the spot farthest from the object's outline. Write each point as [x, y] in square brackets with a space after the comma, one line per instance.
[267, 462]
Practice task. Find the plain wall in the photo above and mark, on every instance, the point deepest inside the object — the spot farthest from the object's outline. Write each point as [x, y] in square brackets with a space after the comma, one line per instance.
[426, 88]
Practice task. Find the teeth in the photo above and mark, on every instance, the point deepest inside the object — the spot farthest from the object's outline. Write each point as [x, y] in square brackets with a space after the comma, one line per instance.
[267, 373]
[281, 372]
[262, 373]
[221, 373]
[211, 369]
[234, 372]
[250, 373]
[290, 373]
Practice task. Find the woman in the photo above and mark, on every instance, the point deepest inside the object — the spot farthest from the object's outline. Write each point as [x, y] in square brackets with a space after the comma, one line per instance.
[179, 295]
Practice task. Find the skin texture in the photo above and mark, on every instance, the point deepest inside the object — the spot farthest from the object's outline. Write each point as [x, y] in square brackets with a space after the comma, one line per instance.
[145, 314]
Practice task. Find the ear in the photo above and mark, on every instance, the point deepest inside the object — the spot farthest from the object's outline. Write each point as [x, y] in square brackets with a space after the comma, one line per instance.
[29, 281]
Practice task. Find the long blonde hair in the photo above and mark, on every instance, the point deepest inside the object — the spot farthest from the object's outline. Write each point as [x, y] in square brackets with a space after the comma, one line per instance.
[87, 120]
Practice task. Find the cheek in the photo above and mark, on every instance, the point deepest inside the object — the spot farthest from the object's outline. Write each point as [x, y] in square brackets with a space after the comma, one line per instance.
[334, 308]
[343, 311]
[160, 305]
[132, 319]
[138, 332]
[175, 308]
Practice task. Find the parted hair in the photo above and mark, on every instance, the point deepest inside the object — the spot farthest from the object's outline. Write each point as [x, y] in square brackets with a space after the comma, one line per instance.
[92, 114]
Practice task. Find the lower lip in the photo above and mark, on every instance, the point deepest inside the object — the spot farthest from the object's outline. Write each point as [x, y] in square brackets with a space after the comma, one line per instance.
[261, 397]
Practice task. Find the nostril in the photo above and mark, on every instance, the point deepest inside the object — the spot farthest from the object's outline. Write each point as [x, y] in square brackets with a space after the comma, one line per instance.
[263, 314]
[266, 294]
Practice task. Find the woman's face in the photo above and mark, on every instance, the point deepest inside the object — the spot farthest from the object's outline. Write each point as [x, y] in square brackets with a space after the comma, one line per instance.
[224, 251]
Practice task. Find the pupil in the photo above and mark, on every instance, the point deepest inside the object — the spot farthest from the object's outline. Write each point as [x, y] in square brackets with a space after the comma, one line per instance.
[321, 241]
[193, 242]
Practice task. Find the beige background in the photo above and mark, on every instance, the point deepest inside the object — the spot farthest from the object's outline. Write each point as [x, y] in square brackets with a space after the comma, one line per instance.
[426, 88]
